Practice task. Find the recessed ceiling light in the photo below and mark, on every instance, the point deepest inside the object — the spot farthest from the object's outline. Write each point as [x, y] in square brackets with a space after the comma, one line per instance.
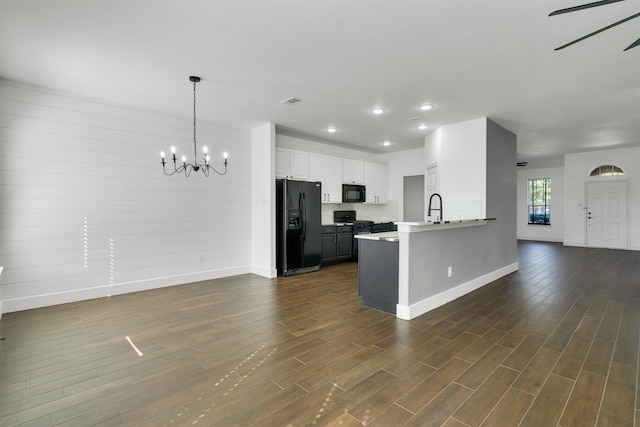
[386, 143]
[377, 110]
[422, 126]
[332, 129]
[425, 107]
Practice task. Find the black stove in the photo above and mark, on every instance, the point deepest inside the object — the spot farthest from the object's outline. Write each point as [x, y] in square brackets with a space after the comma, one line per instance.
[360, 226]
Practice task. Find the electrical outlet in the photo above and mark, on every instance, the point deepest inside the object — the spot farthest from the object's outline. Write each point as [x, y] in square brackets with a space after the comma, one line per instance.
[201, 258]
[450, 271]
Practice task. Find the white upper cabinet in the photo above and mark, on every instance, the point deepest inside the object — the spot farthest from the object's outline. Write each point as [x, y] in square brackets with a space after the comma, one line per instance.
[327, 170]
[317, 167]
[292, 164]
[352, 171]
[376, 182]
[282, 163]
[333, 185]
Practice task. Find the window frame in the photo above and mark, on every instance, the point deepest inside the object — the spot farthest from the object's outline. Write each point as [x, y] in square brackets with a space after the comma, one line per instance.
[607, 170]
[532, 207]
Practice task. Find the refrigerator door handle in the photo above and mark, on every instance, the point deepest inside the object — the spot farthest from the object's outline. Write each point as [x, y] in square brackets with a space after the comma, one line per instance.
[303, 214]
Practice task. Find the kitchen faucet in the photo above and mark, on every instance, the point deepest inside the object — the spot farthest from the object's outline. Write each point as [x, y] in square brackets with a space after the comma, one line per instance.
[429, 210]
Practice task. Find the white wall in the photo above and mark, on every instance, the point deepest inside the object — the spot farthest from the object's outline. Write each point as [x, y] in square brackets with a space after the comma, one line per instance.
[577, 168]
[460, 151]
[311, 146]
[401, 164]
[547, 233]
[263, 201]
[87, 212]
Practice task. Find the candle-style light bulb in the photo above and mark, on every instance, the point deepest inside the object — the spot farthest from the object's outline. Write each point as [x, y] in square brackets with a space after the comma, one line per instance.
[162, 155]
[173, 150]
[205, 150]
[206, 158]
[225, 155]
[184, 159]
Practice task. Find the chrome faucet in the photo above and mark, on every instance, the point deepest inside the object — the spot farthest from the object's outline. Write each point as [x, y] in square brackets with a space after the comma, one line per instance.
[429, 210]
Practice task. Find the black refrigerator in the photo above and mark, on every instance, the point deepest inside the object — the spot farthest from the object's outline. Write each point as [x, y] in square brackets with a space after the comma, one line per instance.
[298, 226]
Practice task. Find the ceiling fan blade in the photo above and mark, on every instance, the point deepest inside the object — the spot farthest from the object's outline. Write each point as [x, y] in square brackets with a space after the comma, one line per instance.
[634, 44]
[583, 6]
[599, 31]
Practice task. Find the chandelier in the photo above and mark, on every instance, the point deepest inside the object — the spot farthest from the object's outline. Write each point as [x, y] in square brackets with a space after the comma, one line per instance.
[185, 167]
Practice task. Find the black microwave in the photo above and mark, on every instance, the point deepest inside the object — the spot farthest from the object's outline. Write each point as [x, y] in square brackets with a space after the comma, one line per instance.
[353, 193]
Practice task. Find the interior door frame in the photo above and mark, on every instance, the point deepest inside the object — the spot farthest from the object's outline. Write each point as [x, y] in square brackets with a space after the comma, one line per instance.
[587, 207]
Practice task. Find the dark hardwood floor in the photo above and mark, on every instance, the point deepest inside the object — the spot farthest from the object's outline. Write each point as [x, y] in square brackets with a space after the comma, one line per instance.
[555, 343]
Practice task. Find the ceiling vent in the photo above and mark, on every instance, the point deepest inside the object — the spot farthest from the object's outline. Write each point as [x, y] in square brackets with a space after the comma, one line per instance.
[522, 164]
[290, 101]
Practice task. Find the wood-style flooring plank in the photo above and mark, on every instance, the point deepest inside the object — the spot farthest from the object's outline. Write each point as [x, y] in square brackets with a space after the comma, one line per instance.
[582, 406]
[619, 395]
[441, 407]
[549, 403]
[474, 410]
[510, 410]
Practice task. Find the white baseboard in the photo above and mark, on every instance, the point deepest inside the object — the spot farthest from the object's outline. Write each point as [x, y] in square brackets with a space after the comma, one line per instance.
[541, 239]
[264, 272]
[583, 245]
[414, 310]
[64, 297]
[570, 243]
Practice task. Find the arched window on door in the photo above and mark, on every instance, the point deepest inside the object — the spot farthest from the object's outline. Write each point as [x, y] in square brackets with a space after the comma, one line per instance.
[607, 170]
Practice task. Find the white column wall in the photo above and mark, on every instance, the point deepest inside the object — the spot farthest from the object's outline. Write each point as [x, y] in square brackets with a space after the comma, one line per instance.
[263, 201]
[87, 212]
[460, 149]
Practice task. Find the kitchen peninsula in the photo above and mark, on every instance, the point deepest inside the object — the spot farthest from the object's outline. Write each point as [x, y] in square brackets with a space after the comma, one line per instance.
[427, 264]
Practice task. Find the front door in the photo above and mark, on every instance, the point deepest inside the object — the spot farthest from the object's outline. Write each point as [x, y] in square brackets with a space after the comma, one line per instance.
[607, 214]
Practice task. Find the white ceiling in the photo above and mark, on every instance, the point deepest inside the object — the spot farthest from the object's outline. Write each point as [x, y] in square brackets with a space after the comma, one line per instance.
[469, 58]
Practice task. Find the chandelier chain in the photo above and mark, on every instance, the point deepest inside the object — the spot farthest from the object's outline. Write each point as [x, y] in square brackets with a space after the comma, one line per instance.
[195, 150]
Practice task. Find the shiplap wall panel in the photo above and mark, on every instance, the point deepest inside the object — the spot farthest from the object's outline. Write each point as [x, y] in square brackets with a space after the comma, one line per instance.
[87, 211]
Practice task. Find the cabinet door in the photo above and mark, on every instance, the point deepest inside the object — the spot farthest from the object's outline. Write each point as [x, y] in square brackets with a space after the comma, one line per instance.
[382, 184]
[298, 165]
[332, 186]
[353, 171]
[375, 179]
[282, 163]
[328, 247]
[370, 181]
[344, 246]
[317, 169]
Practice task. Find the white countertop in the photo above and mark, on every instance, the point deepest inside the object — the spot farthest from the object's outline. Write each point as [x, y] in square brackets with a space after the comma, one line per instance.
[389, 236]
[440, 225]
